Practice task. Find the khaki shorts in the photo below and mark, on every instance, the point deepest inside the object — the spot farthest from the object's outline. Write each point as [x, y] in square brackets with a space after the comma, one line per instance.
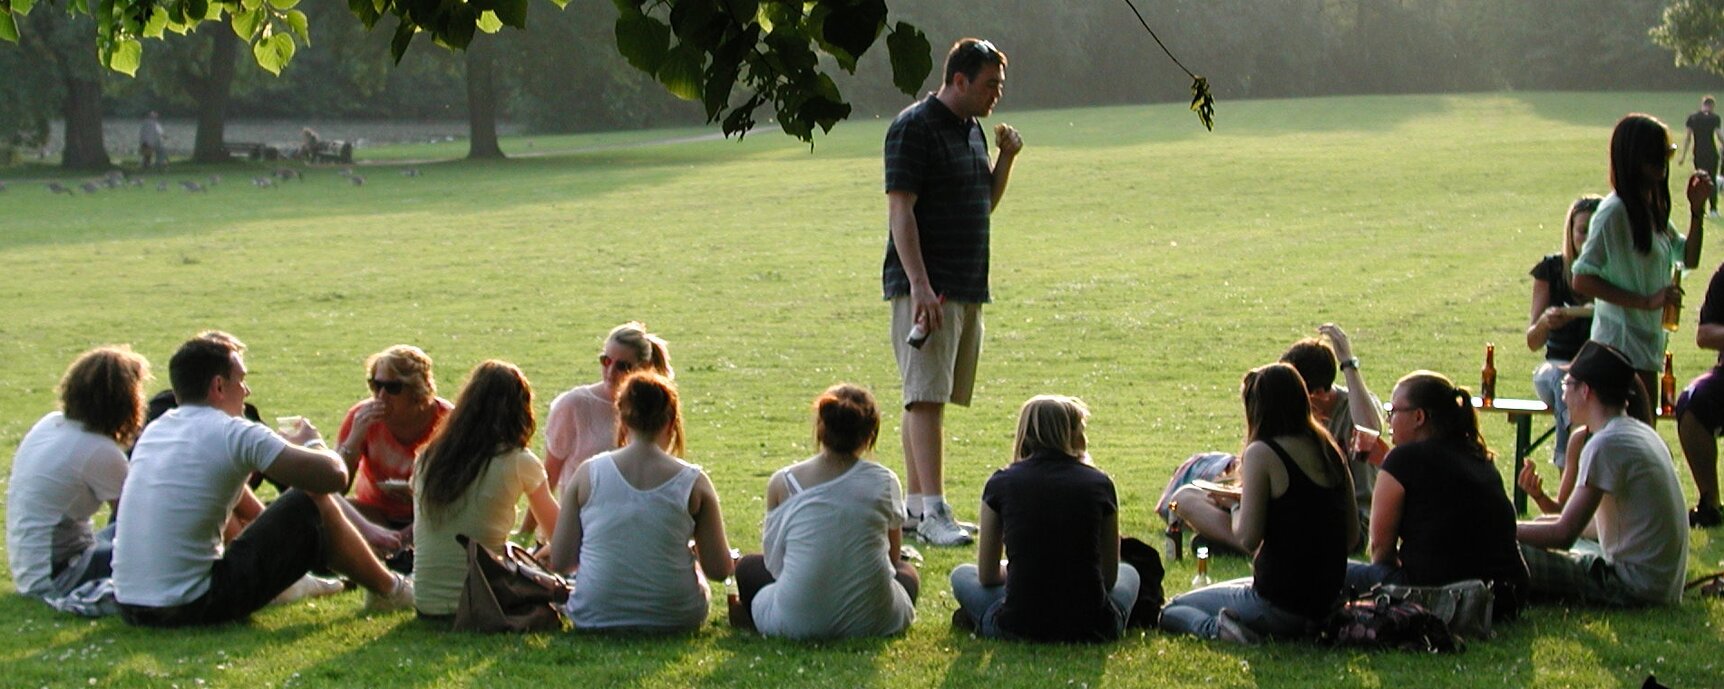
[944, 369]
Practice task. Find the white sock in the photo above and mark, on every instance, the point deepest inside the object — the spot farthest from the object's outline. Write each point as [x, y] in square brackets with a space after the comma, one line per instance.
[913, 504]
[933, 503]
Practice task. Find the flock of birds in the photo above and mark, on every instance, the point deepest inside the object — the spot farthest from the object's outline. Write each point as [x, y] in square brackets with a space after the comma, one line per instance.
[120, 179]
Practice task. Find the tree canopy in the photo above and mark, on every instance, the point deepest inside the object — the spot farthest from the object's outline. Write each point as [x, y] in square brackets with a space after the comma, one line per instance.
[733, 56]
[1694, 29]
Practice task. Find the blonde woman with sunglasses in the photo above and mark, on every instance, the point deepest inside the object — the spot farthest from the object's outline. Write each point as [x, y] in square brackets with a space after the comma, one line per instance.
[380, 439]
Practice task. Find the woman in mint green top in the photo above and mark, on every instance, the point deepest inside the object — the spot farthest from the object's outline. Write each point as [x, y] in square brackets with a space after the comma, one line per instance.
[1631, 246]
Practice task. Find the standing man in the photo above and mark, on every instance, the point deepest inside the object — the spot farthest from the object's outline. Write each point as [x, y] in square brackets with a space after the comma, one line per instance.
[1626, 488]
[940, 188]
[1703, 133]
[150, 143]
[189, 470]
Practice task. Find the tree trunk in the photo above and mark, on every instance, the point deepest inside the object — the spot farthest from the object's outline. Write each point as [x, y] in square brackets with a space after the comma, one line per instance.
[212, 95]
[83, 113]
[482, 99]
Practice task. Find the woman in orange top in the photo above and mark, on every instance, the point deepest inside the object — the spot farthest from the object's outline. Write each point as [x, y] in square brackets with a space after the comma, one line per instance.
[380, 439]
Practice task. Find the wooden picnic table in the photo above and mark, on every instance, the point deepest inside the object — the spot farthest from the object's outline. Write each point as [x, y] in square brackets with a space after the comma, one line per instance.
[1520, 413]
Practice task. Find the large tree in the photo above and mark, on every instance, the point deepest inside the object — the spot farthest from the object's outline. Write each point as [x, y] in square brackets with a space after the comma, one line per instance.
[59, 50]
[734, 56]
[1694, 29]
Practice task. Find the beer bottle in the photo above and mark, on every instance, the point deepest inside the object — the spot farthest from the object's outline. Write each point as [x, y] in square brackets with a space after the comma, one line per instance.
[1173, 543]
[1201, 579]
[1673, 309]
[1488, 377]
[1667, 390]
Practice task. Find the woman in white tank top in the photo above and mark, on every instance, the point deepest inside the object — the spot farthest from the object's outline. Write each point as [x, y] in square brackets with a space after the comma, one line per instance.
[631, 514]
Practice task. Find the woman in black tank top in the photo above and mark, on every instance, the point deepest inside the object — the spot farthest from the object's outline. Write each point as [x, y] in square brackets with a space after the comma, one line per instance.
[1297, 516]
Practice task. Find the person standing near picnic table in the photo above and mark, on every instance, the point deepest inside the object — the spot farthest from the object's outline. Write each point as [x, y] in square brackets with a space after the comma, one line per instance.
[1632, 246]
[941, 187]
[1703, 133]
[1700, 410]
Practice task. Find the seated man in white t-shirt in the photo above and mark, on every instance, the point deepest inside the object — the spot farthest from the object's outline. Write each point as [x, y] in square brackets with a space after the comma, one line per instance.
[1627, 482]
[189, 468]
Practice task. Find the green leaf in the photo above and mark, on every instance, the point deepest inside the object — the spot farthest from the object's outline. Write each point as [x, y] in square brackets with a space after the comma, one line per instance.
[489, 23]
[849, 31]
[8, 27]
[742, 11]
[403, 37]
[251, 4]
[245, 23]
[911, 57]
[274, 53]
[697, 22]
[512, 12]
[644, 41]
[22, 7]
[681, 72]
[157, 25]
[283, 5]
[301, 26]
[127, 55]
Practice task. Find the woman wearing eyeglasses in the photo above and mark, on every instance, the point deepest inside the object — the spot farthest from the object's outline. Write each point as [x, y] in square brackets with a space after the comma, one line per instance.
[380, 439]
[1439, 514]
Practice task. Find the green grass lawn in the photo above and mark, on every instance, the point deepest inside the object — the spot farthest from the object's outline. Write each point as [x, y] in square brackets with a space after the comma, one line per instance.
[1139, 263]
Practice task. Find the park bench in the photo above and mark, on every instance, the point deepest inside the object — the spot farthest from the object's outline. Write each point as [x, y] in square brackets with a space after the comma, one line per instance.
[251, 150]
[329, 152]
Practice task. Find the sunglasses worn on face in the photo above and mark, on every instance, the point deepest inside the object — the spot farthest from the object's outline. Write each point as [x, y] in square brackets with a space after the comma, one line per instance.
[393, 387]
[606, 361]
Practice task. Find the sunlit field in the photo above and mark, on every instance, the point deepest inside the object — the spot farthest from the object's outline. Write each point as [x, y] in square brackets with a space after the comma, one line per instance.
[1138, 262]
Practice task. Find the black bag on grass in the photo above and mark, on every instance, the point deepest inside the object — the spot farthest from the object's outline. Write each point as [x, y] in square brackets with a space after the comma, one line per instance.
[1150, 595]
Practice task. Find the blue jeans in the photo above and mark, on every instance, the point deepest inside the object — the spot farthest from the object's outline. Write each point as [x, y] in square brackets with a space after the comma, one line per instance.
[1547, 381]
[982, 603]
[1361, 577]
[1195, 612]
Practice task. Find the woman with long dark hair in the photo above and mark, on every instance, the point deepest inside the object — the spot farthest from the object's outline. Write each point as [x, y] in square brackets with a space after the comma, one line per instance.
[1439, 513]
[1296, 515]
[1632, 246]
[470, 478]
[1561, 319]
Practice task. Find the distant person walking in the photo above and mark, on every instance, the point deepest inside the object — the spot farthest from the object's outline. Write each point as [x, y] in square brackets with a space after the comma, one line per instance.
[1703, 134]
[941, 187]
[150, 143]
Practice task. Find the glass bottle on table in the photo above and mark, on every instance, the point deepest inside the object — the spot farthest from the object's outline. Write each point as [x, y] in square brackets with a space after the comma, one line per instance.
[1488, 377]
[1667, 390]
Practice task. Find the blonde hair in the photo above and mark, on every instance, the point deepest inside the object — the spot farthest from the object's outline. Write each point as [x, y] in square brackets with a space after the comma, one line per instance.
[408, 362]
[649, 349]
[1052, 423]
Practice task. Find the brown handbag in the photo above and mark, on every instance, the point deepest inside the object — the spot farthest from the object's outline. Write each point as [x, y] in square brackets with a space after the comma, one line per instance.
[508, 593]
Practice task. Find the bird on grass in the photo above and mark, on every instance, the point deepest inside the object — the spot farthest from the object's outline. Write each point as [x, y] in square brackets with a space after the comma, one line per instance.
[192, 186]
[90, 187]
[263, 182]
[410, 172]
[357, 180]
[57, 188]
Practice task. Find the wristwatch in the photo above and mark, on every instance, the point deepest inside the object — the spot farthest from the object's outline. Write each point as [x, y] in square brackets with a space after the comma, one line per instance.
[1351, 363]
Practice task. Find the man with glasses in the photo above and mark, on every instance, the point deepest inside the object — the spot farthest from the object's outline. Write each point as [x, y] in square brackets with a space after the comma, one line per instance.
[1626, 485]
[189, 468]
[941, 186]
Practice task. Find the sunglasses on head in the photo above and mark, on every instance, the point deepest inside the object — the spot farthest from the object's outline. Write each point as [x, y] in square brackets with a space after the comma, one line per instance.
[984, 48]
[393, 387]
[621, 366]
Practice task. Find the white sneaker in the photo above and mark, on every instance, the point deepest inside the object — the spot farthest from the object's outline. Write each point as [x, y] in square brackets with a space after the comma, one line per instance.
[939, 528]
[309, 586]
[399, 598]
